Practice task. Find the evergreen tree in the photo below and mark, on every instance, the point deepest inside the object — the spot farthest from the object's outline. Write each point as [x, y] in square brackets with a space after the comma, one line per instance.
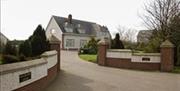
[117, 43]
[25, 49]
[38, 41]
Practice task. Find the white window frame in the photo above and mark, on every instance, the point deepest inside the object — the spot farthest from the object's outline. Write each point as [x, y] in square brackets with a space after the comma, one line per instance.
[70, 42]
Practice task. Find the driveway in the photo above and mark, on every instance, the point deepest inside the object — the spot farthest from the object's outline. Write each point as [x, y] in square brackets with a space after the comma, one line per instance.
[79, 75]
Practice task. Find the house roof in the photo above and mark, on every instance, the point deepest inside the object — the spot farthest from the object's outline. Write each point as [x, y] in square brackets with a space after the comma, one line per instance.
[87, 27]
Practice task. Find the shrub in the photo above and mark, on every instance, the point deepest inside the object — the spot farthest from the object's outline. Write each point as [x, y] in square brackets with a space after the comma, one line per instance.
[153, 46]
[10, 49]
[9, 59]
[117, 43]
[25, 49]
[90, 48]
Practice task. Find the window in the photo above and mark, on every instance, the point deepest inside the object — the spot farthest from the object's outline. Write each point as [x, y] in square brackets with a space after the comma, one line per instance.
[82, 43]
[80, 28]
[69, 42]
[68, 27]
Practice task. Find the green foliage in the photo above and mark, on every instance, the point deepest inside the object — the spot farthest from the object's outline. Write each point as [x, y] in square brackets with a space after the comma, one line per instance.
[10, 49]
[153, 45]
[2, 47]
[91, 47]
[129, 45]
[9, 59]
[141, 46]
[117, 43]
[25, 49]
[38, 41]
[176, 69]
[90, 58]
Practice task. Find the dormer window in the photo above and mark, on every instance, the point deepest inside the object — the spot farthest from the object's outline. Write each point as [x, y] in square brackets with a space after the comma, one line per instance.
[68, 27]
[80, 28]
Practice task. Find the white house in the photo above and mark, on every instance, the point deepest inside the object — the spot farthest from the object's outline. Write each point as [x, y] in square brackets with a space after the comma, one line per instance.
[74, 33]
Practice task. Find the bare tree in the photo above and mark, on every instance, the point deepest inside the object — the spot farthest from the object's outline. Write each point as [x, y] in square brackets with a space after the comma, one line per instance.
[127, 34]
[159, 14]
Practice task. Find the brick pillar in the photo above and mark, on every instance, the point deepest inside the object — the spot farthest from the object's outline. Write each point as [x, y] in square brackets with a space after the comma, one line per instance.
[55, 44]
[167, 56]
[102, 48]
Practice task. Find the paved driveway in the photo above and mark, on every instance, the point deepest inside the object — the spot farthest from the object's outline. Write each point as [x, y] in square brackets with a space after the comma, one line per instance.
[78, 75]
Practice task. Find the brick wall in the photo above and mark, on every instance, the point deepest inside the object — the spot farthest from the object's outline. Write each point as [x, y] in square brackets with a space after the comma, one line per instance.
[165, 63]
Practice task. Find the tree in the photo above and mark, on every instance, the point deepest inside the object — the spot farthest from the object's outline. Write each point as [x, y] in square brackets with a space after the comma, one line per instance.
[38, 41]
[127, 34]
[25, 49]
[117, 43]
[158, 17]
[10, 49]
[163, 17]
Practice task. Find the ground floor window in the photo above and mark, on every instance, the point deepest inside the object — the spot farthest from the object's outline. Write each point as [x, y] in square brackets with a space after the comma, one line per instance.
[70, 42]
[83, 43]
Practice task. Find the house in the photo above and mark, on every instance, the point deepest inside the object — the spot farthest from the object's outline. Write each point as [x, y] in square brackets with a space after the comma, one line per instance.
[144, 36]
[74, 33]
[3, 41]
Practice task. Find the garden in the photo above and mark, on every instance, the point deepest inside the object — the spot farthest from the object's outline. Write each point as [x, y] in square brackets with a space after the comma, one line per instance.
[23, 50]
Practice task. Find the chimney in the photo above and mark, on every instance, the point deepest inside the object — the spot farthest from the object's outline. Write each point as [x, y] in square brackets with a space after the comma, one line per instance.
[70, 18]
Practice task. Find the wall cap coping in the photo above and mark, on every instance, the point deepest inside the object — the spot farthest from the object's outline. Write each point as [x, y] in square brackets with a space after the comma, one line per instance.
[119, 50]
[146, 54]
[166, 43]
[49, 53]
[6, 68]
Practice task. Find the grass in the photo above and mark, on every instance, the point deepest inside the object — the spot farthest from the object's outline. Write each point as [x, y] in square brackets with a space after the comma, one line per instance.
[89, 57]
[176, 69]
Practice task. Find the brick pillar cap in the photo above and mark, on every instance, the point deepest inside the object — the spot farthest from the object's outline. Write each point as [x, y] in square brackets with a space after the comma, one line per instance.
[53, 39]
[167, 43]
[102, 42]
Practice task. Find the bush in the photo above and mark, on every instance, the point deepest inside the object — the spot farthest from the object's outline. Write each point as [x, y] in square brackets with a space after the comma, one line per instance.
[90, 48]
[10, 49]
[9, 59]
[25, 49]
[153, 46]
[117, 43]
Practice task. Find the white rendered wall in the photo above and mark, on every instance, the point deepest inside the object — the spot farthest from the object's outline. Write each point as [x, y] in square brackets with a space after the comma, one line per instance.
[135, 57]
[119, 53]
[9, 73]
[154, 58]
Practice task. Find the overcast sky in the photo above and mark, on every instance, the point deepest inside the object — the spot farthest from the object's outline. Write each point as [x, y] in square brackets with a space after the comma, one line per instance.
[19, 18]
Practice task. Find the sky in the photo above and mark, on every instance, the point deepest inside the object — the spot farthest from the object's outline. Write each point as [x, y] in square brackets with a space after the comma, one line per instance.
[19, 18]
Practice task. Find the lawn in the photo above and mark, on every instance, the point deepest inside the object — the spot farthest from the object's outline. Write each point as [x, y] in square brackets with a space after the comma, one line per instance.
[89, 57]
[176, 69]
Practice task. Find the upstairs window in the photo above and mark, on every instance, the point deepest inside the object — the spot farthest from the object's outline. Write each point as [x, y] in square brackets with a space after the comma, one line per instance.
[68, 27]
[80, 28]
